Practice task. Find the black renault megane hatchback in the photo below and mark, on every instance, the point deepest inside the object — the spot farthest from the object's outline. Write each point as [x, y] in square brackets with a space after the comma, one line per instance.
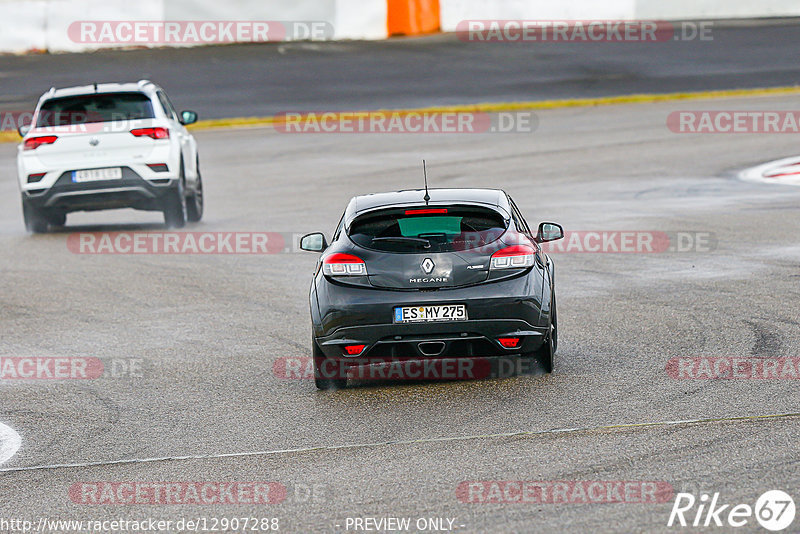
[439, 274]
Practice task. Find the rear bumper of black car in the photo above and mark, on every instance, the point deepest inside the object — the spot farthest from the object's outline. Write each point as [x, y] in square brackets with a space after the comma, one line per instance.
[465, 340]
[131, 191]
[359, 316]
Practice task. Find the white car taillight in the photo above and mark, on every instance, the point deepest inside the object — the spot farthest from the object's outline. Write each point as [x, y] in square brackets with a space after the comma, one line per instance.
[340, 264]
[32, 143]
[152, 133]
[514, 257]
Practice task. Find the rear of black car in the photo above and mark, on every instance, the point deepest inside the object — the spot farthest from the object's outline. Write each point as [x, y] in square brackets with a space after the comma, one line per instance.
[429, 280]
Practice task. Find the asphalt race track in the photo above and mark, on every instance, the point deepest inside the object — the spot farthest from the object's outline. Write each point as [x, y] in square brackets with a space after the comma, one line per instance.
[257, 80]
[206, 331]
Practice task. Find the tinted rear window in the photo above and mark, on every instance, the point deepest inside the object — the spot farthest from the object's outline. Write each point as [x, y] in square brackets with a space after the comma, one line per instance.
[83, 109]
[398, 231]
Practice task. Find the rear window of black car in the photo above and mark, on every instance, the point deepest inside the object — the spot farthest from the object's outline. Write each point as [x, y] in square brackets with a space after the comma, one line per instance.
[432, 229]
[103, 107]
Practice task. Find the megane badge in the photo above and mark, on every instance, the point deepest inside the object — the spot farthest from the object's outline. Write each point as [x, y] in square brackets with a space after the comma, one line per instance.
[427, 265]
[94, 141]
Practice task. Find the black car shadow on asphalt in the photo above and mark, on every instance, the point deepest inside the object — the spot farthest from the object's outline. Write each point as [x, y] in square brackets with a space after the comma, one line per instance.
[111, 227]
[417, 372]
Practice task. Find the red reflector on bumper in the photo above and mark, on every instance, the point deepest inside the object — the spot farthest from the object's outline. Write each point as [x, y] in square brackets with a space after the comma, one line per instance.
[354, 350]
[509, 342]
[158, 167]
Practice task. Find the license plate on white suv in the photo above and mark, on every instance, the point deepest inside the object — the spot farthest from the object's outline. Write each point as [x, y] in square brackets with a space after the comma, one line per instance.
[97, 175]
[425, 314]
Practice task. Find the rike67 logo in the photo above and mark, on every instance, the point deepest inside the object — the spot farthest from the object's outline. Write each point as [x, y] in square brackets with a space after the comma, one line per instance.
[774, 510]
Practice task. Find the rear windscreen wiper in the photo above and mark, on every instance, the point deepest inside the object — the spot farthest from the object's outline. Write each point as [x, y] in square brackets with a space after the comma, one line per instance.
[400, 239]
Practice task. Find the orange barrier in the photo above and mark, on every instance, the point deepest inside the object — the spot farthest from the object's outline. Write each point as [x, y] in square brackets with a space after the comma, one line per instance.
[410, 17]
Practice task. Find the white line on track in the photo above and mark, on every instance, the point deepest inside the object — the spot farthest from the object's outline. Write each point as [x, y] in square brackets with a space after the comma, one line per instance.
[9, 443]
[784, 171]
[624, 426]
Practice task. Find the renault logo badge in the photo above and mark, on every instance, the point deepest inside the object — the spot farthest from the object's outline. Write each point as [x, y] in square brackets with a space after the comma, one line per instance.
[427, 265]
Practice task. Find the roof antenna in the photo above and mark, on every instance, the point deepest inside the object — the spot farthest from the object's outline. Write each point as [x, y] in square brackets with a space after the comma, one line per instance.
[427, 197]
[95, 87]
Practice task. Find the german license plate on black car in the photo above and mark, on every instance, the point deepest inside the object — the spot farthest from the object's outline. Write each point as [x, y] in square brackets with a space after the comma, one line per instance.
[424, 314]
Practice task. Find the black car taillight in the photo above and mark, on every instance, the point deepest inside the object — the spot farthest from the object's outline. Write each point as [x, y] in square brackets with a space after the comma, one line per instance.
[513, 257]
[340, 264]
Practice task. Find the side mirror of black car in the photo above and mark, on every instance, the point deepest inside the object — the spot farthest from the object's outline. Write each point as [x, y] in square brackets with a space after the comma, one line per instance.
[315, 242]
[188, 117]
[549, 232]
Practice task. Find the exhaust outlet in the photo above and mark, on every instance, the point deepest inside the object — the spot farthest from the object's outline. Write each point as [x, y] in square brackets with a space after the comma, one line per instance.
[431, 348]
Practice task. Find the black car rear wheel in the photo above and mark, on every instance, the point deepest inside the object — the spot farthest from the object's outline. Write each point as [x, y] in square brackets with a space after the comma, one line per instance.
[175, 205]
[326, 371]
[35, 220]
[554, 329]
[194, 204]
[546, 353]
[57, 218]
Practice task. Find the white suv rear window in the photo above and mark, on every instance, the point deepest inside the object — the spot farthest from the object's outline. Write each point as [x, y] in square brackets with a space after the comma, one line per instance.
[103, 107]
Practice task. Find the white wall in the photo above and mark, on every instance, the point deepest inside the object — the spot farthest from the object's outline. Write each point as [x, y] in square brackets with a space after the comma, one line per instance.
[22, 25]
[42, 24]
[62, 13]
[279, 10]
[455, 11]
[361, 19]
[710, 9]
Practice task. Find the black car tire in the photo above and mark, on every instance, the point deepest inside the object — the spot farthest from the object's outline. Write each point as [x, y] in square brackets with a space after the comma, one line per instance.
[322, 372]
[194, 203]
[546, 353]
[175, 205]
[57, 218]
[35, 220]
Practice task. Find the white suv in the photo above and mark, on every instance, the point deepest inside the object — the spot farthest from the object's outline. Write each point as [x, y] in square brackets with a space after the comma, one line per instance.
[108, 146]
